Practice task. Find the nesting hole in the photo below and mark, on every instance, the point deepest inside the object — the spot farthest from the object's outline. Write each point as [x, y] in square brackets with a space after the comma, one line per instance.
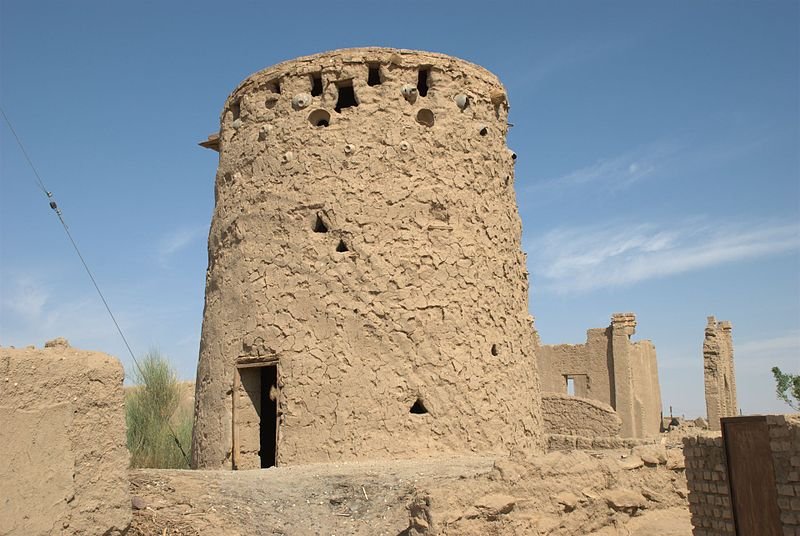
[342, 247]
[374, 78]
[484, 131]
[274, 86]
[235, 110]
[494, 350]
[319, 118]
[316, 84]
[513, 156]
[423, 80]
[347, 96]
[418, 408]
[425, 117]
[319, 225]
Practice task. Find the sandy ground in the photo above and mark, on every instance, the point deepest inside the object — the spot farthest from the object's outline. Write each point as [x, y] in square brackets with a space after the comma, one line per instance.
[600, 493]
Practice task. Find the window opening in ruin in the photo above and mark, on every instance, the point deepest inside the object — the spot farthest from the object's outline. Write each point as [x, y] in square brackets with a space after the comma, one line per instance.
[342, 247]
[423, 77]
[319, 225]
[484, 131]
[347, 96]
[374, 78]
[494, 350]
[570, 386]
[256, 417]
[316, 84]
[319, 118]
[418, 408]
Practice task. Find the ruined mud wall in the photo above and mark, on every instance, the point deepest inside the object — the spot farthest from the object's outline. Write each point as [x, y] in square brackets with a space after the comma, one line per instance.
[588, 364]
[63, 458]
[572, 415]
[611, 369]
[366, 239]
[719, 372]
[707, 478]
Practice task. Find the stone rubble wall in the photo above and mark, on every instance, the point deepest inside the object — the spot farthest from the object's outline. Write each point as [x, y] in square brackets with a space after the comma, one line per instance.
[63, 453]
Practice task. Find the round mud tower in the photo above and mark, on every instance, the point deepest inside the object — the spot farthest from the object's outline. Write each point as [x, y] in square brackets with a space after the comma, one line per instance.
[366, 294]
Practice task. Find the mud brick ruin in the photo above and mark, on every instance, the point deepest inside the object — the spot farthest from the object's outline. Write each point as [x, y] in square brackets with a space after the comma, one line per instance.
[720, 380]
[63, 457]
[366, 294]
[610, 369]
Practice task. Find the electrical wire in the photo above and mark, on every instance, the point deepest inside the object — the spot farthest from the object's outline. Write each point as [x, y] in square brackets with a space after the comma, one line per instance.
[57, 210]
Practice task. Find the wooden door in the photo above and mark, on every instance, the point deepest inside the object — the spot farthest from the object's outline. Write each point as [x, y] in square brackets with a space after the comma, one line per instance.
[751, 477]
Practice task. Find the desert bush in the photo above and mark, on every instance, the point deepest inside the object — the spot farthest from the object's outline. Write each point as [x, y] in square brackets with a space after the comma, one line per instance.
[153, 412]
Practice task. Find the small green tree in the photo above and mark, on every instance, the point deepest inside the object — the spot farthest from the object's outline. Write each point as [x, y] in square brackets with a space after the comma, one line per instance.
[153, 417]
[787, 387]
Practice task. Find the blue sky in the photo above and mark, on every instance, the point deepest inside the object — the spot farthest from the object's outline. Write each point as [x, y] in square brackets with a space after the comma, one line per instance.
[658, 166]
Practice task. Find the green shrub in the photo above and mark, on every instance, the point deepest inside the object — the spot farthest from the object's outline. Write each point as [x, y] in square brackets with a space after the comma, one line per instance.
[153, 412]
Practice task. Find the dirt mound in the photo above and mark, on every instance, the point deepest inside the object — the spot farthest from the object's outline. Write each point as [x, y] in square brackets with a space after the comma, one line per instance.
[597, 493]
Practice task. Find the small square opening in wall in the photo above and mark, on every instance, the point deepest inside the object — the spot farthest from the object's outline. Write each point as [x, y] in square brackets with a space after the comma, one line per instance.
[274, 86]
[374, 78]
[347, 96]
[316, 84]
[423, 81]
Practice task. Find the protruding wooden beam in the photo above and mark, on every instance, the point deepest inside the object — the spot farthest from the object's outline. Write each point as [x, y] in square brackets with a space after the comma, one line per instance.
[212, 142]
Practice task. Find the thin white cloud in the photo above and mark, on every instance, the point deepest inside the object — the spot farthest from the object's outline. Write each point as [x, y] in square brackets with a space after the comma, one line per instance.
[581, 259]
[770, 349]
[24, 296]
[614, 173]
[176, 240]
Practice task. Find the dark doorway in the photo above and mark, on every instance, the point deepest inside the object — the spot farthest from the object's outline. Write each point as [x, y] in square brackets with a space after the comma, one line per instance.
[255, 416]
[269, 416]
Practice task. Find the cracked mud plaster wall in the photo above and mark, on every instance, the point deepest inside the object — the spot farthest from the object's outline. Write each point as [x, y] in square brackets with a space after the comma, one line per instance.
[719, 372]
[428, 303]
[63, 457]
[611, 369]
[572, 415]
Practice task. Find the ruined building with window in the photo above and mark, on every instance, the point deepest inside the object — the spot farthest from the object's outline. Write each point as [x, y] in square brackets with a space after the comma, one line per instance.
[366, 294]
[620, 374]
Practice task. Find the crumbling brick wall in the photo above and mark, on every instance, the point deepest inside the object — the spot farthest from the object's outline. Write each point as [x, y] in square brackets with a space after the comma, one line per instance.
[784, 437]
[366, 242]
[718, 372]
[707, 478]
[611, 369]
[63, 453]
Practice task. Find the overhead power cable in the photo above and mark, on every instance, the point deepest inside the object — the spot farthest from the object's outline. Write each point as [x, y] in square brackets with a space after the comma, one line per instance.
[57, 210]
